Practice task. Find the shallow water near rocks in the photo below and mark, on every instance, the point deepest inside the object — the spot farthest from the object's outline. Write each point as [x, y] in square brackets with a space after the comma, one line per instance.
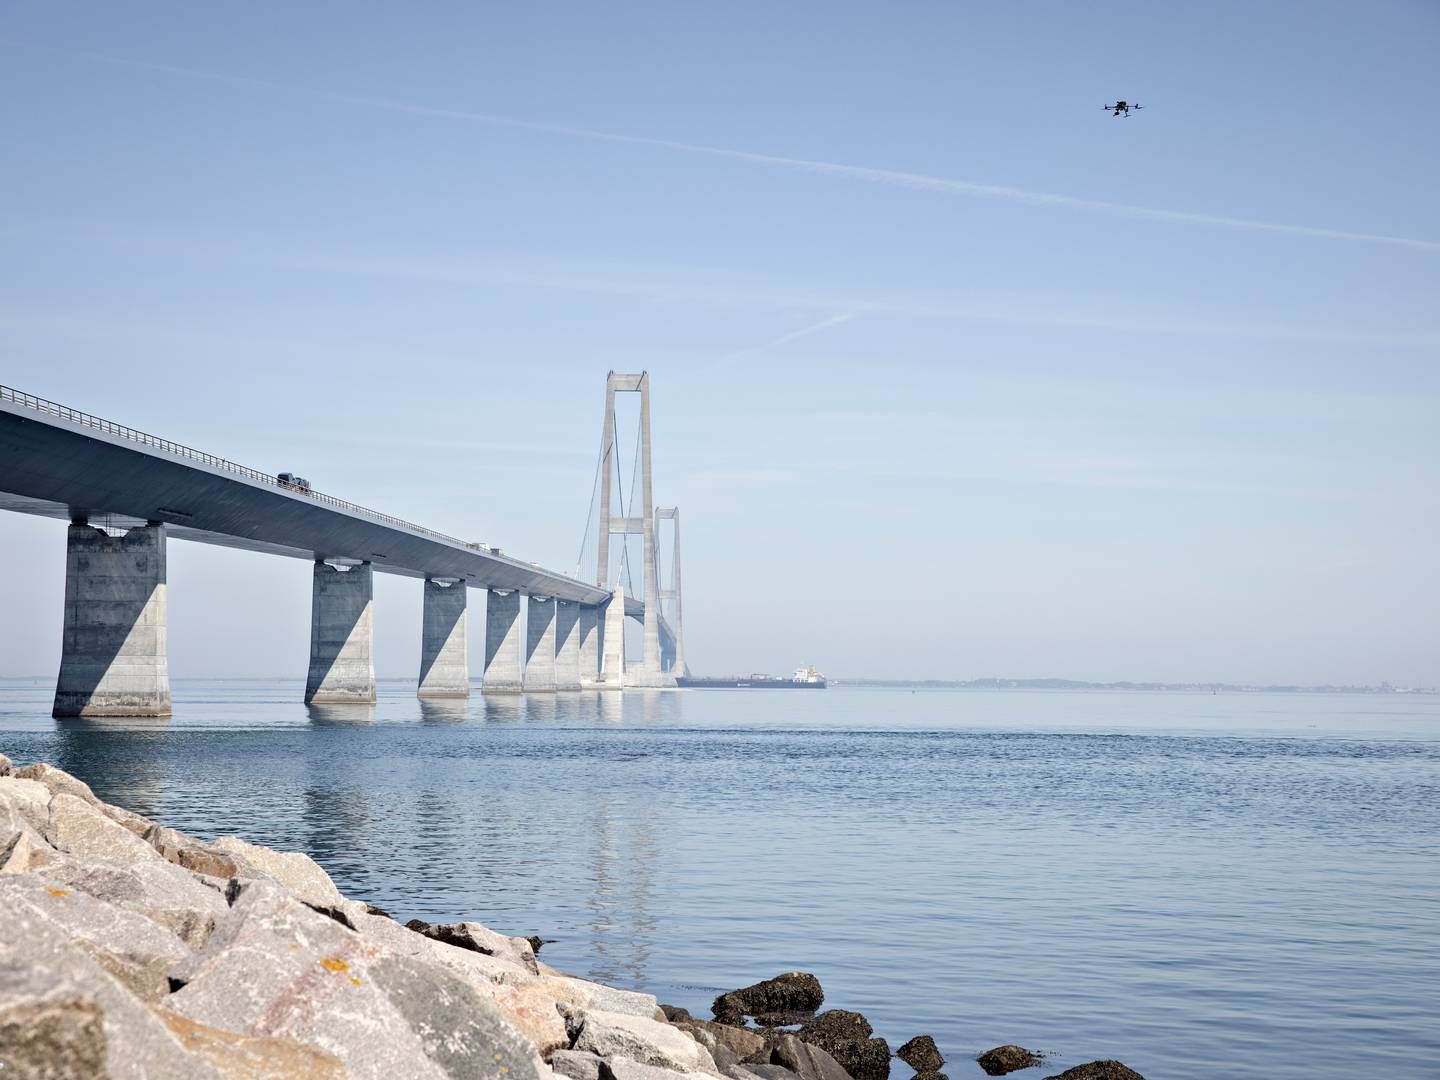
[1199, 885]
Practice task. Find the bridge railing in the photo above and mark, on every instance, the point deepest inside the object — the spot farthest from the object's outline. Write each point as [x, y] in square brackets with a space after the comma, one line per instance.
[75, 416]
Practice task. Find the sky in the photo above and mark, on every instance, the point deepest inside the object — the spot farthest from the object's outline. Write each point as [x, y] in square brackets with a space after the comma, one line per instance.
[954, 374]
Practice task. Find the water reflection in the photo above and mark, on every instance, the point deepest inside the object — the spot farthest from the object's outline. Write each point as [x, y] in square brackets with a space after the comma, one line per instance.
[340, 715]
[453, 711]
[502, 708]
[122, 759]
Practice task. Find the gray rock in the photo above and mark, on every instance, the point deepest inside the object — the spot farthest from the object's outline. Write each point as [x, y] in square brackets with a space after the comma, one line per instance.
[481, 939]
[584, 994]
[1109, 1069]
[246, 1057]
[185, 851]
[527, 1001]
[58, 781]
[647, 1041]
[806, 1061]
[5, 766]
[921, 1054]
[298, 873]
[576, 1064]
[792, 995]
[620, 1068]
[23, 802]
[79, 828]
[53, 997]
[26, 851]
[846, 1036]
[136, 951]
[275, 968]
[763, 1072]
[461, 1032]
[747, 1045]
[1008, 1058]
[164, 893]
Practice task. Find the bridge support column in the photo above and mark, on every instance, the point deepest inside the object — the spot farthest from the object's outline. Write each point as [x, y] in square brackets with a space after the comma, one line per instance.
[540, 645]
[612, 643]
[444, 667]
[342, 653]
[113, 658]
[567, 645]
[504, 666]
[588, 630]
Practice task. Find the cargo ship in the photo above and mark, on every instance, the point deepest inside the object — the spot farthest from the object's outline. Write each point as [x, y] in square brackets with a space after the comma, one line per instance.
[804, 678]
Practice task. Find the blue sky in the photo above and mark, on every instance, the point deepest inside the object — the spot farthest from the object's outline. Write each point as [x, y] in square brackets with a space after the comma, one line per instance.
[955, 374]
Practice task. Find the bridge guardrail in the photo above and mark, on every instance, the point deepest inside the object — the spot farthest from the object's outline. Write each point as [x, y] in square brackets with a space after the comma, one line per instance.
[76, 416]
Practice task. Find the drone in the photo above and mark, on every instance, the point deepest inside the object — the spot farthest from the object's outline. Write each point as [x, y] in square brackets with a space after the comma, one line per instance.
[1121, 108]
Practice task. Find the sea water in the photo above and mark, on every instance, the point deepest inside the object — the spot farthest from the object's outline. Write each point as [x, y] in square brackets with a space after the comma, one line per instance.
[1236, 885]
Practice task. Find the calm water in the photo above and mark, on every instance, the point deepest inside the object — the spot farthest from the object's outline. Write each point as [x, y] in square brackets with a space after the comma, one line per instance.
[1201, 886]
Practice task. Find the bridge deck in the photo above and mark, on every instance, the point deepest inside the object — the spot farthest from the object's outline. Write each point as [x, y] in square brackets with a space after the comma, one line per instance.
[58, 462]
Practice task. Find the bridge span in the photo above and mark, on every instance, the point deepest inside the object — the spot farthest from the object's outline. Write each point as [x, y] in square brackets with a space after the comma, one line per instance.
[125, 493]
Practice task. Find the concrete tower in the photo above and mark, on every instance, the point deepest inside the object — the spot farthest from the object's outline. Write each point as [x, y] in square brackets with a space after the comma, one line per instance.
[648, 671]
[673, 608]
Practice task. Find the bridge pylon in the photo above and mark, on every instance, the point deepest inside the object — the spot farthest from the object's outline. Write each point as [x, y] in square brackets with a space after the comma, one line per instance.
[648, 671]
[672, 610]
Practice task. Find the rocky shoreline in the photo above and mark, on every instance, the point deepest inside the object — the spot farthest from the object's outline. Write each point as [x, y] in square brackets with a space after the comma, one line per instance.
[131, 950]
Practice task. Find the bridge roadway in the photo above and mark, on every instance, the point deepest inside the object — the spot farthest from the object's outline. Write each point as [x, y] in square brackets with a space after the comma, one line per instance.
[61, 463]
[58, 462]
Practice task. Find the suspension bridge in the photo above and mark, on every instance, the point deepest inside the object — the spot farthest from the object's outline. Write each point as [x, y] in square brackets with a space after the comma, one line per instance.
[126, 493]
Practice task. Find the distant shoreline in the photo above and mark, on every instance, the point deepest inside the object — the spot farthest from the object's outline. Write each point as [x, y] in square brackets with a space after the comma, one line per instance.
[1078, 684]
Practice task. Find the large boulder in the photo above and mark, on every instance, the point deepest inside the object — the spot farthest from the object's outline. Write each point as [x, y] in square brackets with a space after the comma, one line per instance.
[806, 1061]
[921, 1054]
[136, 951]
[576, 1064]
[246, 1057]
[847, 1037]
[584, 994]
[194, 855]
[648, 1041]
[753, 1071]
[79, 828]
[481, 939]
[1008, 1058]
[527, 1001]
[5, 765]
[23, 803]
[275, 968]
[297, 872]
[620, 1068]
[161, 892]
[786, 997]
[58, 781]
[63, 1015]
[749, 1046]
[1109, 1069]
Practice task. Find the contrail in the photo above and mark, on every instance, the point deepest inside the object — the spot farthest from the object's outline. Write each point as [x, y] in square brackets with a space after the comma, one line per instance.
[804, 331]
[892, 177]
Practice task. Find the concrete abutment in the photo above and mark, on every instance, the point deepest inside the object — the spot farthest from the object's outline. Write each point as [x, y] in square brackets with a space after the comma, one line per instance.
[504, 661]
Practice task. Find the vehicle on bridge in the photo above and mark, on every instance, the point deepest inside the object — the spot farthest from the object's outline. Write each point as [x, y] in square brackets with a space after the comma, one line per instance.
[296, 483]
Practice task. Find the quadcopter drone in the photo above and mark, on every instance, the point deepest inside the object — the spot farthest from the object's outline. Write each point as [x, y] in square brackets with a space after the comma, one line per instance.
[1121, 108]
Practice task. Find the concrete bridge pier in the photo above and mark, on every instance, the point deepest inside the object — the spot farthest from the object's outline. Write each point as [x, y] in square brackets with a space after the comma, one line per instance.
[612, 643]
[504, 665]
[540, 645]
[444, 667]
[567, 645]
[342, 647]
[113, 656]
[588, 631]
